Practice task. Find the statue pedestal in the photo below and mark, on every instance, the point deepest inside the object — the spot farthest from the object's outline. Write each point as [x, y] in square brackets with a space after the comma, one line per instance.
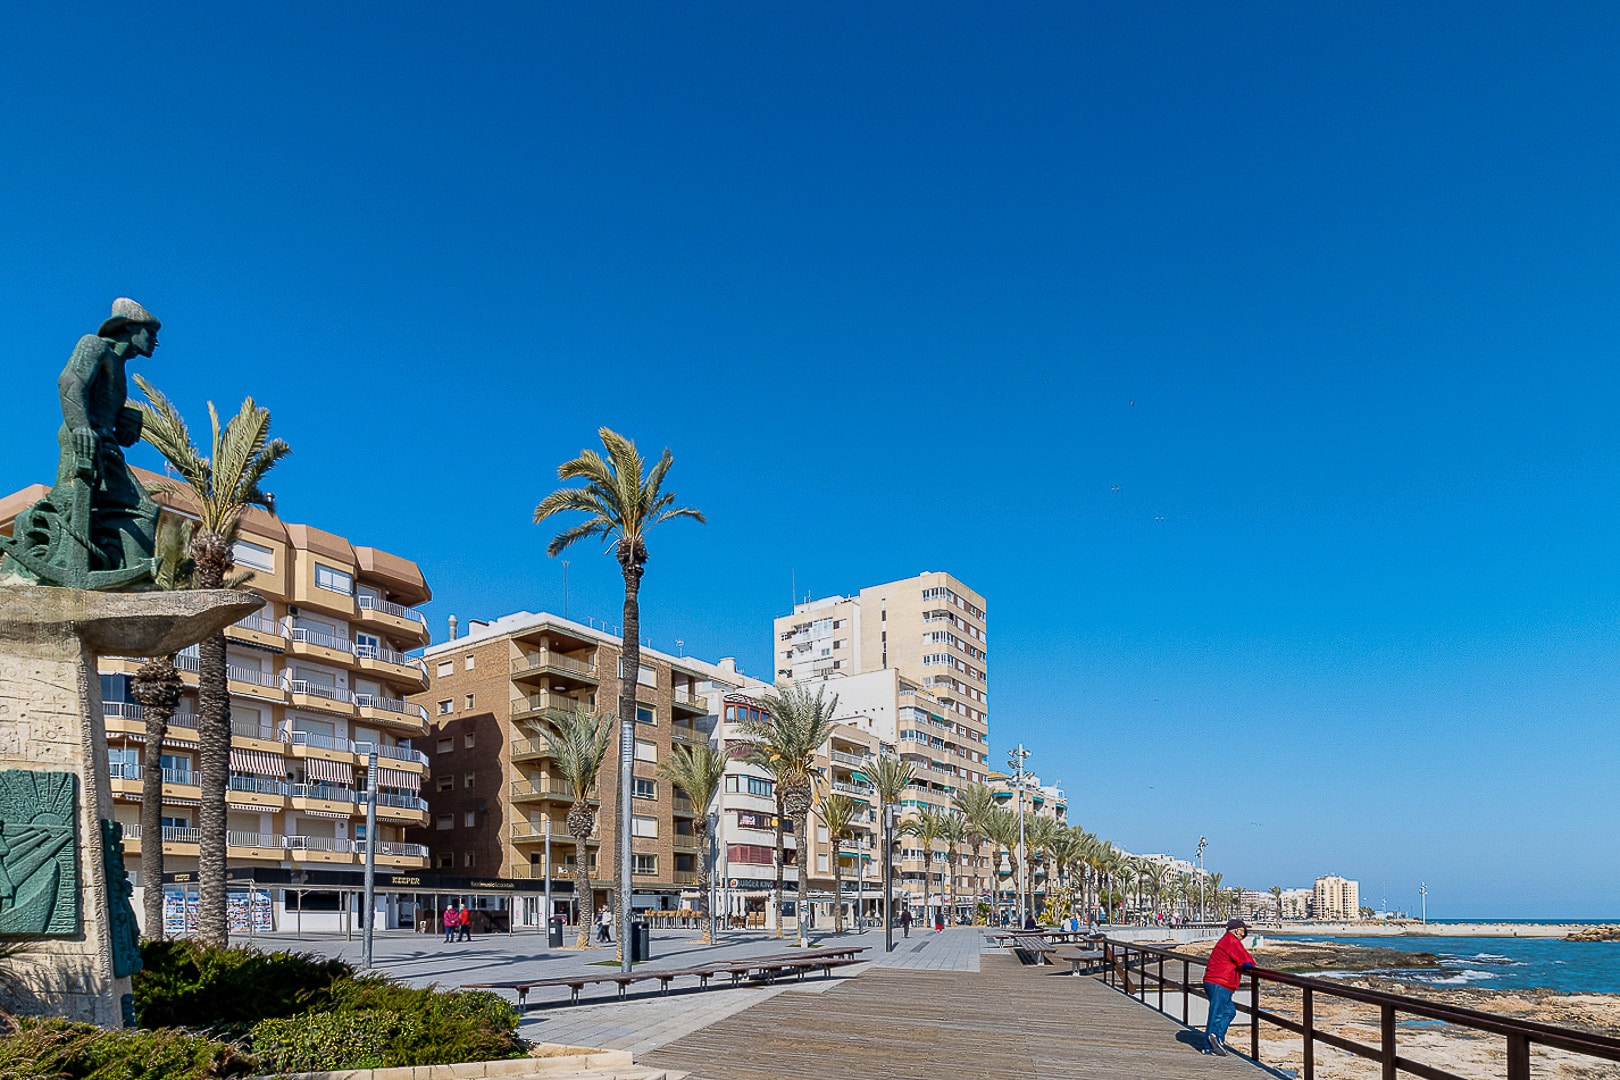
[56, 891]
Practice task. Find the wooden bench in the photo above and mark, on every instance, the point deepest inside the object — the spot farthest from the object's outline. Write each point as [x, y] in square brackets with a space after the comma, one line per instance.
[1088, 958]
[767, 967]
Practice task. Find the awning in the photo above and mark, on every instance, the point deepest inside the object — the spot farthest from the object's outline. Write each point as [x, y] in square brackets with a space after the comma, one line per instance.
[258, 763]
[326, 814]
[399, 778]
[334, 772]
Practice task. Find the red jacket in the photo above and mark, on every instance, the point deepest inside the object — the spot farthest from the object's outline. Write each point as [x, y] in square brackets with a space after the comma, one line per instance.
[1225, 960]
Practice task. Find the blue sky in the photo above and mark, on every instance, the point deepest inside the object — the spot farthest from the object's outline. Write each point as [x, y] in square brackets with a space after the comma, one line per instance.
[1328, 296]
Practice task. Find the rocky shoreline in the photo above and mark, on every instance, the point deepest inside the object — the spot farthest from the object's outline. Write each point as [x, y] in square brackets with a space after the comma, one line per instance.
[1606, 932]
[1459, 1050]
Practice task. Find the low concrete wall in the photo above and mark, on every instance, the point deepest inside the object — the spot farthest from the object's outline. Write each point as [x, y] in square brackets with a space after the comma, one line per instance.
[510, 1068]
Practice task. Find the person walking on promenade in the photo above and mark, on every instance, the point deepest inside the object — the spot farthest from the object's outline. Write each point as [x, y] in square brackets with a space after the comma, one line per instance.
[604, 926]
[450, 923]
[1221, 977]
[465, 922]
[905, 920]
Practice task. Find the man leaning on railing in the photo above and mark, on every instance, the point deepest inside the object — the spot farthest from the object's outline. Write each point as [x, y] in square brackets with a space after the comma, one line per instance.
[1221, 978]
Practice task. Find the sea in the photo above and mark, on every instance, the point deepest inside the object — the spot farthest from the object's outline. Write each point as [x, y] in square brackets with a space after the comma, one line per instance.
[1567, 967]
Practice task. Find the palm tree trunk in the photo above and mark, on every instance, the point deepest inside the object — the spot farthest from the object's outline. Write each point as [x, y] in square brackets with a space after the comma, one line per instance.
[630, 652]
[582, 893]
[801, 828]
[838, 889]
[781, 858]
[700, 829]
[156, 686]
[213, 562]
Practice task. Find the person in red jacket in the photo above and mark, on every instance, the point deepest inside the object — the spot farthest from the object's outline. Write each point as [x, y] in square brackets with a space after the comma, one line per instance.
[1221, 977]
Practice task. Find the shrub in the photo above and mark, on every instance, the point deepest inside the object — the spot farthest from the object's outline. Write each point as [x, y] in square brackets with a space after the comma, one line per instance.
[187, 984]
[318, 1042]
[64, 1050]
[454, 1026]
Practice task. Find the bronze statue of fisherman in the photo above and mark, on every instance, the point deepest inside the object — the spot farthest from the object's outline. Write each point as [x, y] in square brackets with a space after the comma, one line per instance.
[96, 528]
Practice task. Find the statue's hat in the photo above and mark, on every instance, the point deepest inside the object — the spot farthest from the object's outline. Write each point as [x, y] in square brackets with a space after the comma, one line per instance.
[126, 312]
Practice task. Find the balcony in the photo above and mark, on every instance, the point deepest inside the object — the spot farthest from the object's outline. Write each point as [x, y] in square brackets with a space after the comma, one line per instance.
[530, 749]
[387, 710]
[393, 850]
[252, 682]
[523, 832]
[258, 792]
[128, 718]
[560, 665]
[397, 809]
[553, 787]
[253, 845]
[321, 849]
[126, 777]
[328, 798]
[855, 790]
[541, 705]
[686, 877]
[392, 753]
[689, 736]
[257, 731]
[690, 700]
[396, 619]
[854, 761]
[381, 660]
[682, 804]
[319, 696]
[177, 840]
[686, 843]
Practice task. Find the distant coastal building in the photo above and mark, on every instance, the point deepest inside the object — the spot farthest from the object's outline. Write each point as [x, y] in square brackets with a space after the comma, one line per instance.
[1335, 898]
[1296, 903]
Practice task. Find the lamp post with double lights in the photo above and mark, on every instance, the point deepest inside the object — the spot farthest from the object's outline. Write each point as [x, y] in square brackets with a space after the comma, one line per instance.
[1015, 761]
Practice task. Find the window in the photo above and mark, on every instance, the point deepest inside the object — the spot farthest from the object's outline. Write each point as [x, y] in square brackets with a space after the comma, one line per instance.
[469, 858]
[446, 745]
[644, 865]
[469, 820]
[447, 783]
[332, 579]
[467, 740]
[445, 667]
[821, 863]
[253, 556]
[446, 707]
[469, 701]
[645, 715]
[445, 822]
[469, 663]
[756, 786]
[821, 834]
[643, 826]
[646, 751]
[646, 789]
[468, 781]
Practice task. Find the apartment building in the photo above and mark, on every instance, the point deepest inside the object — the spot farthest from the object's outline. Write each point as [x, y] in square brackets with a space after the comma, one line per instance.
[908, 661]
[1335, 898]
[496, 793]
[318, 679]
[1038, 801]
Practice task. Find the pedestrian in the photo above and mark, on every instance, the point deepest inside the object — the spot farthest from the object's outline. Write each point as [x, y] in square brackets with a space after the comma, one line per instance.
[1221, 978]
[1029, 921]
[905, 920]
[604, 926]
[465, 922]
[450, 923]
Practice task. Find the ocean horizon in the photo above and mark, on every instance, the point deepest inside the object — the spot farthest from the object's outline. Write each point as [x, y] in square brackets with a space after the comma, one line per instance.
[1495, 963]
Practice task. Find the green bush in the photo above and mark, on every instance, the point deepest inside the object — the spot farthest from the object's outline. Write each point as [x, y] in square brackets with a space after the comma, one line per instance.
[318, 1042]
[187, 984]
[454, 1026]
[63, 1050]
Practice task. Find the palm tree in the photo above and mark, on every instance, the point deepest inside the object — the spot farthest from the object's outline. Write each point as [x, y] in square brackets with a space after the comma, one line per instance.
[953, 831]
[221, 486]
[579, 743]
[976, 803]
[1002, 829]
[156, 686]
[1212, 885]
[623, 502]
[928, 826]
[837, 813]
[698, 770]
[1276, 896]
[794, 726]
[890, 779]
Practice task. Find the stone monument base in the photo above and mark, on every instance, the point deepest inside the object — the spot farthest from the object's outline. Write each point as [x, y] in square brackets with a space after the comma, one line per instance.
[58, 892]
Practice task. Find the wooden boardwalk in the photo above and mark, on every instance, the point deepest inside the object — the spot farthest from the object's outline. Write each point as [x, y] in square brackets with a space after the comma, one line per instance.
[1005, 1022]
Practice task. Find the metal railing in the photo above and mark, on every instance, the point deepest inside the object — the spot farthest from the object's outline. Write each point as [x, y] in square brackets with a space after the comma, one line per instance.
[320, 690]
[406, 802]
[251, 676]
[690, 698]
[530, 746]
[129, 710]
[393, 847]
[253, 729]
[259, 623]
[1123, 960]
[390, 753]
[252, 840]
[130, 770]
[555, 785]
[329, 792]
[304, 635]
[320, 742]
[319, 843]
[686, 735]
[863, 790]
[560, 661]
[388, 704]
[854, 761]
[398, 611]
[172, 834]
[389, 656]
[258, 785]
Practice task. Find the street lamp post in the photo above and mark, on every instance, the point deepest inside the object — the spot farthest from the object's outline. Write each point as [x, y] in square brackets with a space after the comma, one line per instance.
[1203, 913]
[888, 878]
[371, 857]
[1015, 761]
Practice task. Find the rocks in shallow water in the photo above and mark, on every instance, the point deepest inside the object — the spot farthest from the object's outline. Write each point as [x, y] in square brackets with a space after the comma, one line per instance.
[1606, 932]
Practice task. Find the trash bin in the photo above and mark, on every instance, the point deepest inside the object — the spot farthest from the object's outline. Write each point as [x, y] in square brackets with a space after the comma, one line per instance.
[554, 932]
[640, 941]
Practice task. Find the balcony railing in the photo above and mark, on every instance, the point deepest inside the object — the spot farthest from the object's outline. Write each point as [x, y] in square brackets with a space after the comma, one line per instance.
[854, 761]
[319, 843]
[252, 729]
[187, 662]
[689, 697]
[393, 847]
[320, 690]
[555, 785]
[393, 705]
[384, 798]
[258, 785]
[304, 635]
[329, 792]
[689, 736]
[172, 834]
[683, 803]
[129, 770]
[864, 790]
[128, 710]
[532, 661]
[252, 840]
[389, 656]
[686, 877]
[398, 611]
[259, 623]
[251, 676]
[391, 753]
[521, 747]
[320, 742]
[534, 703]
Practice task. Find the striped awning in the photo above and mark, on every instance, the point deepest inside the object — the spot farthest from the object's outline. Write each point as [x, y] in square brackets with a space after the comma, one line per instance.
[324, 813]
[258, 763]
[399, 778]
[334, 772]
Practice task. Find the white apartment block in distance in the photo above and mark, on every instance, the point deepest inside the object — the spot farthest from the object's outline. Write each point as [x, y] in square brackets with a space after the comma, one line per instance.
[1336, 898]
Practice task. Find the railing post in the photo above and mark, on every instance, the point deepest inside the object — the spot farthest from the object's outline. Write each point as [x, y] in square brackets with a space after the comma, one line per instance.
[1386, 1025]
[1185, 992]
[1518, 1057]
[1161, 982]
[1254, 1016]
[1309, 1018]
